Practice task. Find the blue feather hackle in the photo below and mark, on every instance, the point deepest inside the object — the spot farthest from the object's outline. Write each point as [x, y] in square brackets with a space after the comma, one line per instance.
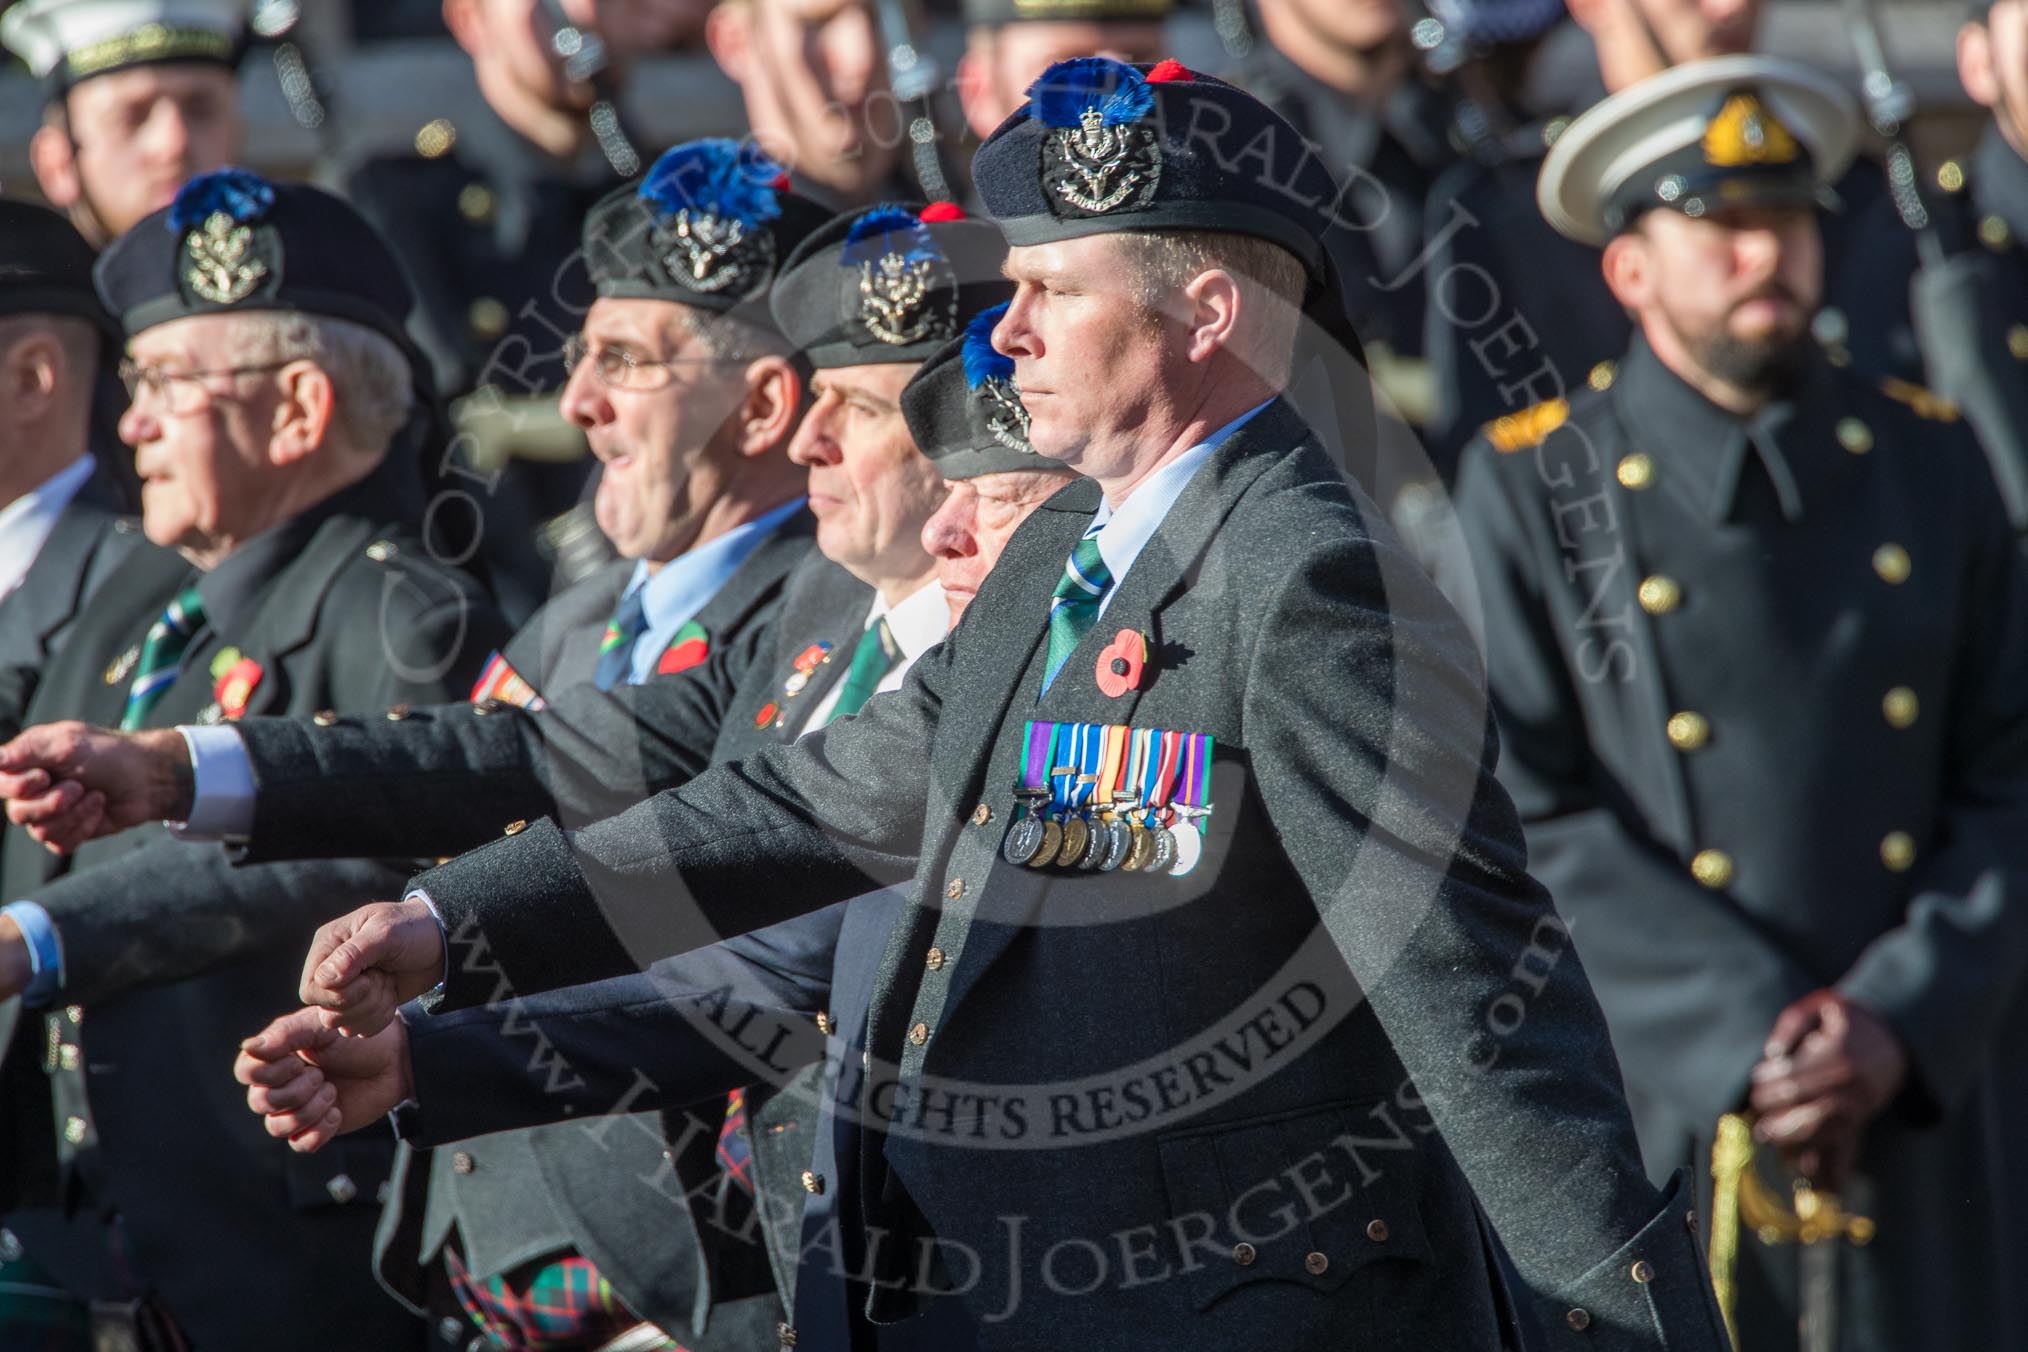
[239, 193]
[1059, 97]
[731, 179]
[982, 363]
[888, 229]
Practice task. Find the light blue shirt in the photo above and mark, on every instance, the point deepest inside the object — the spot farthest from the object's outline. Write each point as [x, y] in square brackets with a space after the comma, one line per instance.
[685, 585]
[222, 797]
[1123, 534]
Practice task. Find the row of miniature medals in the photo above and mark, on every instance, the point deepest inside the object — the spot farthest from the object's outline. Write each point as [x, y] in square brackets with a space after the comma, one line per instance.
[1101, 797]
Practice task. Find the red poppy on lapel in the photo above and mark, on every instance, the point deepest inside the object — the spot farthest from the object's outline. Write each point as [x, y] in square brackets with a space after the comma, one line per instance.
[236, 687]
[688, 649]
[766, 714]
[1121, 663]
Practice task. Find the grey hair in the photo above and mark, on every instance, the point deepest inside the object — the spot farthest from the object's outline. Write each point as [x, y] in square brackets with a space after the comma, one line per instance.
[1163, 262]
[371, 380]
[729, 338]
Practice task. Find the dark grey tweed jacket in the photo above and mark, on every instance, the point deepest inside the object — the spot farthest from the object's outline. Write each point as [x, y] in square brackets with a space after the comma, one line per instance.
[1138, 1111]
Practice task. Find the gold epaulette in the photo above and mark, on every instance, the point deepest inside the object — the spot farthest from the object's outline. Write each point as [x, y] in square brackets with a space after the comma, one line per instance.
[1925, 403]
[1519, 431]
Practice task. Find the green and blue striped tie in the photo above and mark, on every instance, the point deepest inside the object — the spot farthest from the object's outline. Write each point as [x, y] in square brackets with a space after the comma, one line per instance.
[871, 661]
[1074, 607]
[162, 655]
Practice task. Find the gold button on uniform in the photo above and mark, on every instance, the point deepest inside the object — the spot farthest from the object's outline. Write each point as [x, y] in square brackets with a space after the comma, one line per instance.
[1636, 471]
[954, 889]
[436, 138]
[487, 318]
[1855, 436]
[813, 1182]
[1376, 1230]
[475, 203]
[1950, 176]
[1243, 1254]
[1578, 1319]
[2017, 342]
[919, 1034]
[981, 815]
[1713, 868]
[515, 827]
[1688, 730]
[463, 1163]
[1892, 563]
[935, 960]
[1643, 1272]
[74, 1129]
[1315, 1264]
[1900, 707]
[1601, 376]
[1993, 233]
[324, 718]
[75, 1013]
[824, 1024]
[1897, 851]
[396, 713]
[1660, 595]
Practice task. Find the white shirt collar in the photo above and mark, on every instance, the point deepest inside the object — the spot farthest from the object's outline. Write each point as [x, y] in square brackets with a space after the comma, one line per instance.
[1123, 534]
[26, 522]
[918, 622]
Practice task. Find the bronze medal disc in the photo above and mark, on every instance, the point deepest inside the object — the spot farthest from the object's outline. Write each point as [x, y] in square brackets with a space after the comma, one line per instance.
[1052, 845]
[1143, 849]
[1076, 840]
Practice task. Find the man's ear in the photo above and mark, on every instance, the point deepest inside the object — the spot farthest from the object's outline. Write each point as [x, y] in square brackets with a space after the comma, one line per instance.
[49, 155]
[728, 35]
[975, 85]
[31, 372]
[1975, 66]
[773, 405]
[1628, 266]
[304, 415]
[1216, 307]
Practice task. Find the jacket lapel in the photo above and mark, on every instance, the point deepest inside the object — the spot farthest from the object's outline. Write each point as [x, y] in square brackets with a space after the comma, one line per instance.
[1167, 567]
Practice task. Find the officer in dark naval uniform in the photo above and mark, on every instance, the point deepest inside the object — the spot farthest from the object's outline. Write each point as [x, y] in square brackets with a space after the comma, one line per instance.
[1275, 831]
[264, 325]
[61, 531]
[1516, 313]
[1757, 633]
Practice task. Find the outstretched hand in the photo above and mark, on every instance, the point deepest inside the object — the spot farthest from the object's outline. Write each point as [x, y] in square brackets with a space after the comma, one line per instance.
[70, 782]
[312, 1085]
[364, 966]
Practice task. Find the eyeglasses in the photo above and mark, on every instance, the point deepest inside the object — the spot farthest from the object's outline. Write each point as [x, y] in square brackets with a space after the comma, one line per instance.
[619, 369]
[183, 392]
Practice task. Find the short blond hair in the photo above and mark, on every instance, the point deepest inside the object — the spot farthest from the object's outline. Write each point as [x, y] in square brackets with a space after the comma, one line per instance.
[1163, 262]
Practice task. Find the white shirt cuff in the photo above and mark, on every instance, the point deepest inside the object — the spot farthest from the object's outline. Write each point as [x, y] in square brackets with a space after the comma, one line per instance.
[443, 935]
[222, 796]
